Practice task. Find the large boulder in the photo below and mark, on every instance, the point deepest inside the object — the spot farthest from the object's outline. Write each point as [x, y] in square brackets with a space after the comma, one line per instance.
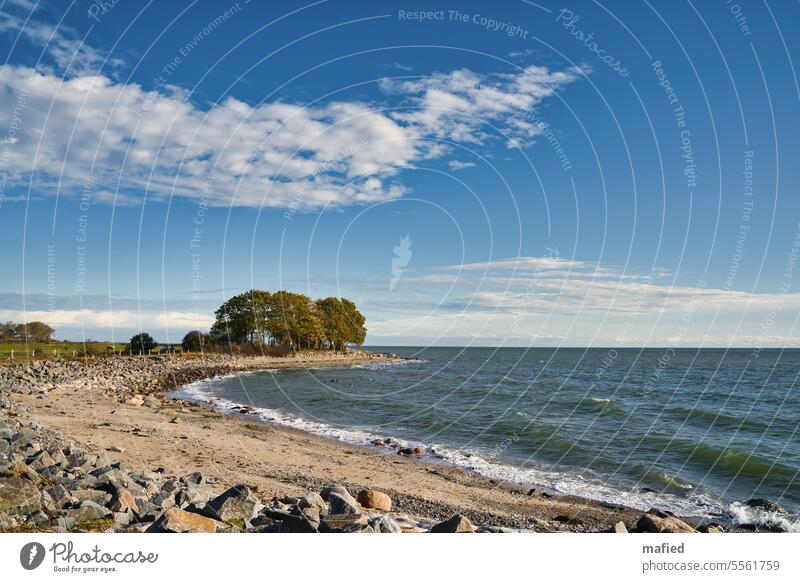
[343, 505]
[176, 520]
[19, 496]
[372, 499]
[237, 504]
[662, 522]
[89, 511]
[456, 524]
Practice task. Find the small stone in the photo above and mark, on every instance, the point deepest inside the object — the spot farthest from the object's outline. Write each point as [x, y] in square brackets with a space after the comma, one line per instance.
[619, 527]
[116, 449]
[175, 420]
[456, 524]
[372, 499]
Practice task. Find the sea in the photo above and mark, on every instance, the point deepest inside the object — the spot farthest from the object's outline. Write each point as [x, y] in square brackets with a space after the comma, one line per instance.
[698, 432]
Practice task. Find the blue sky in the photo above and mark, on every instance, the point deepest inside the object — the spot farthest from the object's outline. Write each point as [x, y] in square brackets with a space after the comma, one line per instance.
[583, 173]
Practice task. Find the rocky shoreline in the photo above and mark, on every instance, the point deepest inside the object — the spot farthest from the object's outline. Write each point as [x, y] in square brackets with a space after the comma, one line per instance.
[49, 482]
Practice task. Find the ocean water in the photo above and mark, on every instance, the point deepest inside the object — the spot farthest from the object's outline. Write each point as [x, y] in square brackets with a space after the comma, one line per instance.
[697, 432]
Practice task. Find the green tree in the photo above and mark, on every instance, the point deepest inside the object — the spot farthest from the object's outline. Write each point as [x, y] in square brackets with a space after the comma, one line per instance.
[334, 322]
[356, 323]
[294, 321]
[242, 318]
[195, 341]
[142, 343]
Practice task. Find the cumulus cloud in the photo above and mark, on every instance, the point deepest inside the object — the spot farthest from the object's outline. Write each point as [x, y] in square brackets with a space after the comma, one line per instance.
[88, 132]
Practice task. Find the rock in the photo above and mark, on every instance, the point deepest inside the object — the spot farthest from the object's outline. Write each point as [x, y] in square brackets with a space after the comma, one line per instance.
[411, 451]
[116, 449]
[123, 500]
[766, 505]
[42, 460]
[385, 524]
[175, 420]
[338, 523]
[195, 478]
[298, 524]
[342, 505]
[176, 520]
[619, 527]
[662, 522]
[313, 499]
[146, 510]
[88, 511]
[335, 488]
[237, 503]
[372, 499]
[19, 496]
[96, 495]
[135, 400]
[456, 524]
[711, 528]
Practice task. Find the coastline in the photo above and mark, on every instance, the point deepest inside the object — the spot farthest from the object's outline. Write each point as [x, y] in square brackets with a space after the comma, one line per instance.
[143, 428]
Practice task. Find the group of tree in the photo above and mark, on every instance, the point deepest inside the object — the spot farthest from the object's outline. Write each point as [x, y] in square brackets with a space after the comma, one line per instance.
[285, 319]
[35, 331]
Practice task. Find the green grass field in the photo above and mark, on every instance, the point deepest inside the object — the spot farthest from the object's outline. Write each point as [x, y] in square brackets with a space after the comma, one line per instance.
[21, 350]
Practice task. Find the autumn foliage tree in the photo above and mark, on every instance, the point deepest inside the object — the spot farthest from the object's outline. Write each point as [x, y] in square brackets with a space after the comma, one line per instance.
[287, 319]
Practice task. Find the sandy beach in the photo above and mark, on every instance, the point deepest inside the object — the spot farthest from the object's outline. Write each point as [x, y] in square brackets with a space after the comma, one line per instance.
[176, 437]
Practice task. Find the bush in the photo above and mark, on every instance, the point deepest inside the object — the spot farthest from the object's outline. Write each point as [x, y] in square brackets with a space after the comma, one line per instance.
[196, 341]
[142, 343]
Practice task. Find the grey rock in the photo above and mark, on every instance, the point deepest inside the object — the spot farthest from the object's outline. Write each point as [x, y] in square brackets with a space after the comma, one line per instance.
[88, 511]
[19, 496]
[237, 503]
[340, 505]
[384, 524]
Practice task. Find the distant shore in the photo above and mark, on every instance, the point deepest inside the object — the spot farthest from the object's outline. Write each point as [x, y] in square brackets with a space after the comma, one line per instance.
[117, 408]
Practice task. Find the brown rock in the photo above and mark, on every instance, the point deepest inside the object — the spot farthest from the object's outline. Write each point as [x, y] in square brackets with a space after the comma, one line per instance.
[372, 499]
[176, 520]
[19, 496]
[662, 523]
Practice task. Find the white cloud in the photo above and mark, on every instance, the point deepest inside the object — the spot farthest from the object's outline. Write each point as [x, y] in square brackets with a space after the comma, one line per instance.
[89, 130]
[456, 165]
[122, 319]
